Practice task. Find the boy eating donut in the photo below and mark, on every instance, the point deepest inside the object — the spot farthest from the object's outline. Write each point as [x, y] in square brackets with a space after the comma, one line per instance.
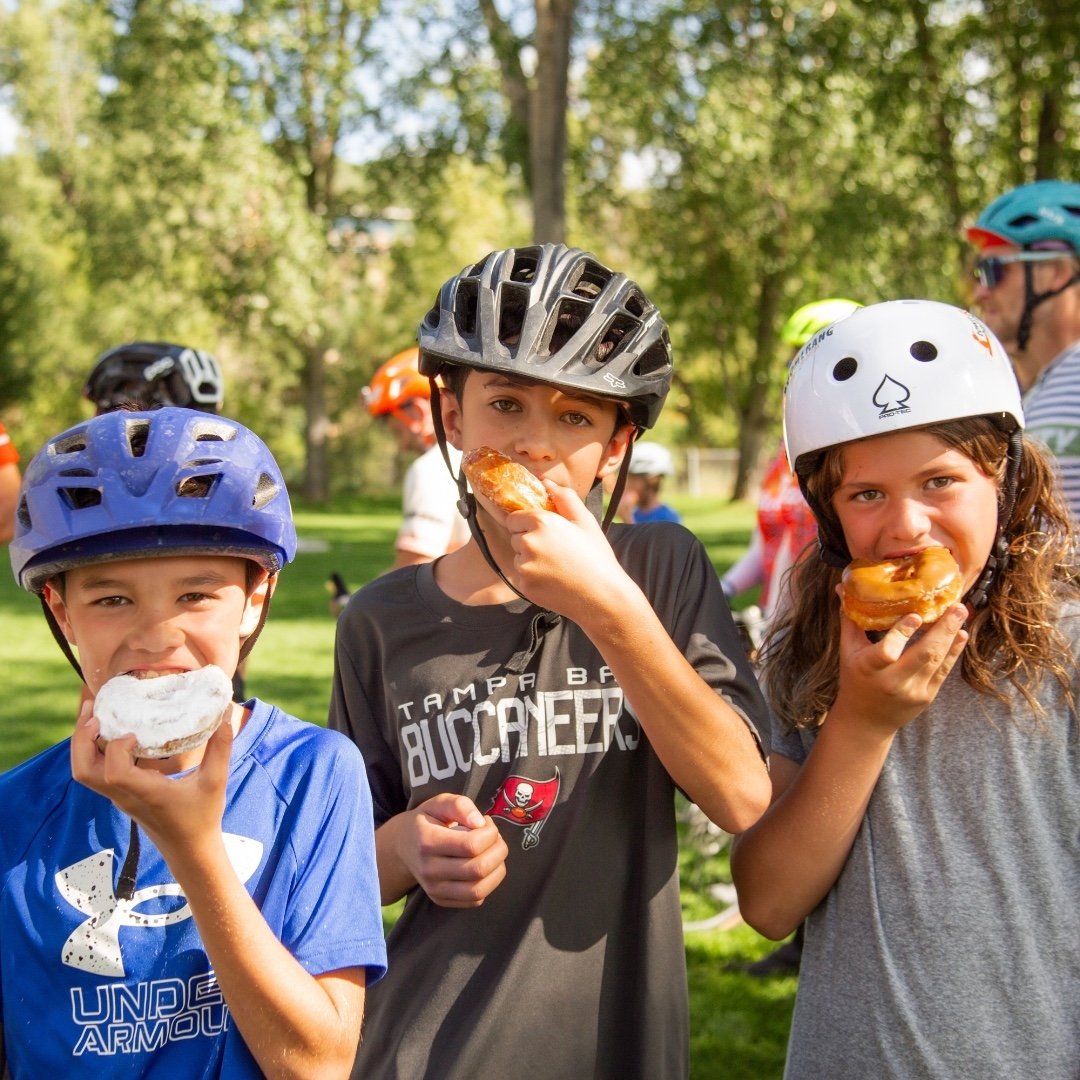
[209, 914]
[528, 704]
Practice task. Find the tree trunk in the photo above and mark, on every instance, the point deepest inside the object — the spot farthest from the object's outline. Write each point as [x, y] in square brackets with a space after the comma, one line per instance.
[317, 425]
[547, 119]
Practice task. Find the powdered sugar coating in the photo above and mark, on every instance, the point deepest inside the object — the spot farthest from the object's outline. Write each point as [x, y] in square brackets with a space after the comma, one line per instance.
[167, 714]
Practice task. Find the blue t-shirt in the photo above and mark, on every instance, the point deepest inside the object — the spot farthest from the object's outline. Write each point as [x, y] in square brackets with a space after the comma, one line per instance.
[97, 986]
[660, 512]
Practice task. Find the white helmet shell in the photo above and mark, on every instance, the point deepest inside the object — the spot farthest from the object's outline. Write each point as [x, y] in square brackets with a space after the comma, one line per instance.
[892, 366]
[651, 459]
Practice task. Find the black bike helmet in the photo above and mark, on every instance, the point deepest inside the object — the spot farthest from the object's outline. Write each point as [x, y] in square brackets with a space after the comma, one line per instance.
[505, 314]
[145, 374]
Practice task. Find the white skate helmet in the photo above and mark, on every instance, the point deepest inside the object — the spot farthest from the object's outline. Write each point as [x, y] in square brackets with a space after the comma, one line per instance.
[891, 366]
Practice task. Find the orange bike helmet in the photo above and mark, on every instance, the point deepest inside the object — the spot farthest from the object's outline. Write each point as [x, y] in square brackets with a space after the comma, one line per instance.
[397, 382]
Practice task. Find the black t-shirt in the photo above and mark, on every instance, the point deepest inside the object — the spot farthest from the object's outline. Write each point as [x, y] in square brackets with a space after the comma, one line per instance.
[574, 966]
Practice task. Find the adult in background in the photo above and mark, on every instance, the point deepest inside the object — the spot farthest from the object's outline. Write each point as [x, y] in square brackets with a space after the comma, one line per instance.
[9, 485]
[431, 524]
[1026, 274]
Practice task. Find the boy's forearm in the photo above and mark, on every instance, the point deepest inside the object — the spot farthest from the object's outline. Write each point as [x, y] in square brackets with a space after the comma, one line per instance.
[291, 1022]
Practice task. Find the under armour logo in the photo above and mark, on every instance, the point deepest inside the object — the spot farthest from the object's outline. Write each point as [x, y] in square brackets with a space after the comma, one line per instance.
[87, 885]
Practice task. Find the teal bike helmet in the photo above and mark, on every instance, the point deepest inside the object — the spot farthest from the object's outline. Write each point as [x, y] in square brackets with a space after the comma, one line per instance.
[1031, 214]
[1041, 216]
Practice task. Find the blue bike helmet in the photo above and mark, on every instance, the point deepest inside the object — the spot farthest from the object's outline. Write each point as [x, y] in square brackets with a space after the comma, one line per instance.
[166, 482]
[1031, 214]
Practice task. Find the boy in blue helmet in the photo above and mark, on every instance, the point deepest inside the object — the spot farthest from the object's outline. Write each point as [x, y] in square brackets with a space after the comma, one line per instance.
[1027, 290]
[238, 936]
[528, 705]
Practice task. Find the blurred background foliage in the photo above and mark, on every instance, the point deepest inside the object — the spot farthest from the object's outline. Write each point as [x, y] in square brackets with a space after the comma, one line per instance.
[287, 182]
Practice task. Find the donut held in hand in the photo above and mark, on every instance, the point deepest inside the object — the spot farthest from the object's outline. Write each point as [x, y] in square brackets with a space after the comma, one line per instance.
[167, 714]
[875, 594]
[507, 484]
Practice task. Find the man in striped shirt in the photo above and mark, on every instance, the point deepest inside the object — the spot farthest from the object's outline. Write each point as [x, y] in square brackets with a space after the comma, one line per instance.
[1027, 275]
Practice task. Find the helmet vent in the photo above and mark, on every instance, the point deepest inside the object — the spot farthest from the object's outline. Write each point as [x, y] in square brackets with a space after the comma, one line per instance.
[197, 487]
[924, 351]
[73, 444]
[465, 304]
[514, 304]
[265, 491]
[211, 430]
[620, 327]
[524, 268]
[845, 369]
[636, 304]
[591, 281]
[80, 498]
[137, 432]
[656, 361]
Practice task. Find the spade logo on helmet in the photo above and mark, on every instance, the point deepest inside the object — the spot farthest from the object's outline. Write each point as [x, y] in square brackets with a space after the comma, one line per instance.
[891, 397]
[614, 381]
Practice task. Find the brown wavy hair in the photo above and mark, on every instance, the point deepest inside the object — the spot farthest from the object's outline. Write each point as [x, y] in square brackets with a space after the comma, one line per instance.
[1013, 637]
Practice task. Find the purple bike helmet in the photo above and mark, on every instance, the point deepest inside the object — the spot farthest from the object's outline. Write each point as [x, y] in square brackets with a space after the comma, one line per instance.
[166, 482]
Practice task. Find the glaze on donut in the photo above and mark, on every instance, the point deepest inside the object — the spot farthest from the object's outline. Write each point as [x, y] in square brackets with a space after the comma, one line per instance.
[507, 484]
[167, 714]
[876, 594]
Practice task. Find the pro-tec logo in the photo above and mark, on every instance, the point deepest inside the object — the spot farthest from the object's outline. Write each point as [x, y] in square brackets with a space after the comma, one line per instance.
[526, 803]
[891, 397]
[87, 885]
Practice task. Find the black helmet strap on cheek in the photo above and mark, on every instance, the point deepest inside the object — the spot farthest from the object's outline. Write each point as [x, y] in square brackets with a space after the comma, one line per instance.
[1032, 300]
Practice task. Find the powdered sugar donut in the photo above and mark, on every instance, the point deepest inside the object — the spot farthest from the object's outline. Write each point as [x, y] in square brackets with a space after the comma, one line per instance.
[167, 714]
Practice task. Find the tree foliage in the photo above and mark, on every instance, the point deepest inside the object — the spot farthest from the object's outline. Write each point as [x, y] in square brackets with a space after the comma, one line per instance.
[286, 182]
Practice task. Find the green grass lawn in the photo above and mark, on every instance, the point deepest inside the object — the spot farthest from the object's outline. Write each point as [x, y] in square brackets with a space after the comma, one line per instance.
[738, 1023]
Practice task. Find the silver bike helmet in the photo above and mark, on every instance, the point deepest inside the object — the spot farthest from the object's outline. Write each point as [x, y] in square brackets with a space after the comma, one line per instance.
[557, 315]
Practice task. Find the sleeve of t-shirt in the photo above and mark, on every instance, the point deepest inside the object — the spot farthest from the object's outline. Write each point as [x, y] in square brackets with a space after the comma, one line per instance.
[334, 918]
[8, 454]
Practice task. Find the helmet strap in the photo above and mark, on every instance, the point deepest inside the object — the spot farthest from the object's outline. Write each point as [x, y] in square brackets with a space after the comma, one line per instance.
[1032, 300]
[58, 634]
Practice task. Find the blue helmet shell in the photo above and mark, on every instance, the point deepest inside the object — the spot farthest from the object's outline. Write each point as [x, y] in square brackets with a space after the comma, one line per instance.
[169, 481]
[1031, 214]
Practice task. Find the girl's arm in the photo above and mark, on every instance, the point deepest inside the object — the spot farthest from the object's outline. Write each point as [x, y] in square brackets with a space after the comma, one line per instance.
[785, 864]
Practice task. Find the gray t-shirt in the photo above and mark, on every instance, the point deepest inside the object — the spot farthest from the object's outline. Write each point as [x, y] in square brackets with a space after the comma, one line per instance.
[574, 966]
[949, 947]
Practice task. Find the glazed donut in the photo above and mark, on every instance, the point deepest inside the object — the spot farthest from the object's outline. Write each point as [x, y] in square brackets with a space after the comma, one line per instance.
[167, 714]
[876, 594]
[507, 484]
